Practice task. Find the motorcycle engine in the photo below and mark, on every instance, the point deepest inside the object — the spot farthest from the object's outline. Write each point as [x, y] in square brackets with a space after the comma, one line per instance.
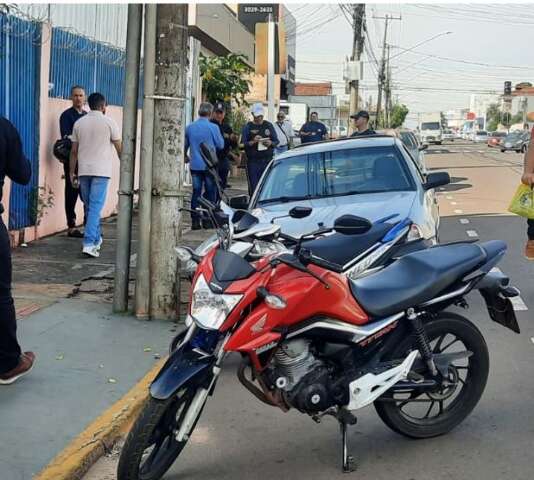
[303, 379]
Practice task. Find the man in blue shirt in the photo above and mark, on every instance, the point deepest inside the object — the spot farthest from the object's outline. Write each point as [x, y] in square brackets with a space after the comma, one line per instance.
[313, 131]
[198, 132]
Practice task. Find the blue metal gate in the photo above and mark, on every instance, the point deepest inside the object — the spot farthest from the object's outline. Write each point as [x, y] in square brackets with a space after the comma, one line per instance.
[20, 54]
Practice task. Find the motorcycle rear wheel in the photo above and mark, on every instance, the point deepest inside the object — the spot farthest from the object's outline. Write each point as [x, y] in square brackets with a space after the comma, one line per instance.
[151, 446]
[469, 374]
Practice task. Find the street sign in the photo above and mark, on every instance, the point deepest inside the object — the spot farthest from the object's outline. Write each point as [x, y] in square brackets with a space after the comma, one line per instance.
[250, 14]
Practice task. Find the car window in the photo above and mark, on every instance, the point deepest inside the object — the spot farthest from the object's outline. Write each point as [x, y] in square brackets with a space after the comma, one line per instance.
[430, 126]
[363, 170]
[286, 178]
[407, 139]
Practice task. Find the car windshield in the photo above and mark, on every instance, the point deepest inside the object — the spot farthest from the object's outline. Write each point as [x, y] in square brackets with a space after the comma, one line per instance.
[513, 136]
[336, 173]
[482, 133]
[498, 134]
[430, 126]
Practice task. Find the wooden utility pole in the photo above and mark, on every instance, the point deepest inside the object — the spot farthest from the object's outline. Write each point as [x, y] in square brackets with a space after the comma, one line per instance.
[358, 25]
[382, 72]
[168, 157]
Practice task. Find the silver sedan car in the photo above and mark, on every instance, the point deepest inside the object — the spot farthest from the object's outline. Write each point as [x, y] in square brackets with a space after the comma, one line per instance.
[372, 177]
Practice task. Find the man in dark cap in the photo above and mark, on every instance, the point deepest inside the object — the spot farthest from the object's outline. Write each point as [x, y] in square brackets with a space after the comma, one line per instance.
[361, 122]
[230, 141]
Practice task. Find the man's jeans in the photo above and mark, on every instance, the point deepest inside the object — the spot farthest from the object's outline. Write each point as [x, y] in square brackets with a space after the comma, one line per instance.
[530, 231]
[280, 150]
[93, 191]
[202, 179]
[9, 347]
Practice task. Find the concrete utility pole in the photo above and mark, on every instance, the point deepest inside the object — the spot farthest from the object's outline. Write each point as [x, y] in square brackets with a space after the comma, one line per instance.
[168, 157]
[358, 25]
[142, 277]
[382, 72]
[387, 90]
[127, 166]
[271, 45]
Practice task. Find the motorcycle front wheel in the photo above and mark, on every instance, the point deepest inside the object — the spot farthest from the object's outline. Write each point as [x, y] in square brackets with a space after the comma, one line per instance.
[151, 446]
[424, 415]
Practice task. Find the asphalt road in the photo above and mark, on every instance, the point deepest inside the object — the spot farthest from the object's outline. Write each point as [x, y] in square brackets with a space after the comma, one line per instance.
[239, 438]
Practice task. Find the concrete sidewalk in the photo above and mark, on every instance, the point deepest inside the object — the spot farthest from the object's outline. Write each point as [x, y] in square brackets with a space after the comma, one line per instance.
[87, 358]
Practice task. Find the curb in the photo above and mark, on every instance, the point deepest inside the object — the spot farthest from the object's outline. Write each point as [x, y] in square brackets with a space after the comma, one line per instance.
[101, 435]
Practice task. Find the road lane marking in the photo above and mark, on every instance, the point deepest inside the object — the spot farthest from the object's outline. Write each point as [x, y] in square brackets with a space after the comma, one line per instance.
[464, 221]
[449, 197]
[532, 339]
[458, 211]
[454, 203]
[472, 233]
[519, 304]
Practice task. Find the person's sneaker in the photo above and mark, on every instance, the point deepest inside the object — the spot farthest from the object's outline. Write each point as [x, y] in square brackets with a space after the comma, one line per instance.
[75, 233]
[91, 251]
[99, 244]
[26, 361]
[195, 224]
[529, 250]
[207, 224]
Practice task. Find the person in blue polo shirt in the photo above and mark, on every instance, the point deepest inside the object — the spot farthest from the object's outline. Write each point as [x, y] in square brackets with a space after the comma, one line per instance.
[198, 132]
[314, 130]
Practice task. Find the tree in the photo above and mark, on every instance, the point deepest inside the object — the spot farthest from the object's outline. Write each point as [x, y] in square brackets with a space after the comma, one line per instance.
[225, 78]
[398, 115]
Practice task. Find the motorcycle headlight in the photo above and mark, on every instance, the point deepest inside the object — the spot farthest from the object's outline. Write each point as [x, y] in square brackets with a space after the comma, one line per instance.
[209, 310]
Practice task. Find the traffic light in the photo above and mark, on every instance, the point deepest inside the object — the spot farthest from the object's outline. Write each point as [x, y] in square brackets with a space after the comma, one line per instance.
[508, 88]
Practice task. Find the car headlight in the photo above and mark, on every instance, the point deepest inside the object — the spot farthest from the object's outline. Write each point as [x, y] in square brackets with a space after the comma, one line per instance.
[209, 310]
[262, 248]
[415, 233]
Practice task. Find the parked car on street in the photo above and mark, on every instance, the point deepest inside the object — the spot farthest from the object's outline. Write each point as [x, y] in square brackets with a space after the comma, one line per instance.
[517, 141]
[371, 177]
[480, 137]
[448, 135]
[416, 149]
[495, 138]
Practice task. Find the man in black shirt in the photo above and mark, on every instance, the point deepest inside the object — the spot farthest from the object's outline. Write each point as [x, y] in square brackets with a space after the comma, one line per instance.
[13, 164]
[361, 121]
[230, 141]
[259, 139]
[66, 124]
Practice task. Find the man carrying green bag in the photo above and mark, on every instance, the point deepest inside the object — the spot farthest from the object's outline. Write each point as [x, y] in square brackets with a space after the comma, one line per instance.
[528, 179]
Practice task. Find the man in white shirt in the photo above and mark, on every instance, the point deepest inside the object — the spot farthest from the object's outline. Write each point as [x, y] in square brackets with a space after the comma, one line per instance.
[95, 139]
[284, 131]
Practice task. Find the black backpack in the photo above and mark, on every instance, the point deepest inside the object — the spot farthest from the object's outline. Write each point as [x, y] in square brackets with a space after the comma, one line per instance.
[62, 149]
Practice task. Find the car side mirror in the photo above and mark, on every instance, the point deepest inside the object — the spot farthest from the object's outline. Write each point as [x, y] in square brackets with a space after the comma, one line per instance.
[300, 212]
[240, 202]
[438, 179]
[423, 147]
[352, 225]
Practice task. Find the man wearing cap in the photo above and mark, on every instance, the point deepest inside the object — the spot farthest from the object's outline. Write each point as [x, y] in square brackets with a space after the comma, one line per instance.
[361, 122]
[259, 138]
[230, 141]
[314, 130]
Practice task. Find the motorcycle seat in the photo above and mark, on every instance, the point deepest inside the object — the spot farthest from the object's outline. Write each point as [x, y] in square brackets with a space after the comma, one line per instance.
[340, 249]
[419, 277]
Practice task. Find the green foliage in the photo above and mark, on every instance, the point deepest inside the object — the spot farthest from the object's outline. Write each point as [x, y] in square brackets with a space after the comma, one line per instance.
[444, 122]
[398, 115]
[236, 118]
[41, 199]
[495, 116]
[225, 78]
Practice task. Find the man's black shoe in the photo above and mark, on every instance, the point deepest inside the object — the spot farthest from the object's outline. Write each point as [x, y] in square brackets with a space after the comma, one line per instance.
[195, 225]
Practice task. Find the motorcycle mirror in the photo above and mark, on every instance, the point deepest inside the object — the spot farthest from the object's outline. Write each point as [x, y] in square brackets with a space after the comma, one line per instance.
[300, 212]
[209, 156]
[244, 220]
[352, 225]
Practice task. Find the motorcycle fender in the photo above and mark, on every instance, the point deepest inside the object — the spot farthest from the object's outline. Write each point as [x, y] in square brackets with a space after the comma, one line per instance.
[184, 365]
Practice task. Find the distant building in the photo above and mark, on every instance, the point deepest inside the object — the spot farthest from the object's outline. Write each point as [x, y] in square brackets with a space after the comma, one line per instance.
[313, 89]
[319, 98]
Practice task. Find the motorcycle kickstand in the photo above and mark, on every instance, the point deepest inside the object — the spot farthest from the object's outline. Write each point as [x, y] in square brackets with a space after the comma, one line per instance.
[348, 463]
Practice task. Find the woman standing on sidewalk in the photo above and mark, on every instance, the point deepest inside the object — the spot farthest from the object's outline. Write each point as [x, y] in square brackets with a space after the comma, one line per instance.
[13, 164]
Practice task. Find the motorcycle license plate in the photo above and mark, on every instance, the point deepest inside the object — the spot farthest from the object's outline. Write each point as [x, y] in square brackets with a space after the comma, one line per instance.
[502, 311]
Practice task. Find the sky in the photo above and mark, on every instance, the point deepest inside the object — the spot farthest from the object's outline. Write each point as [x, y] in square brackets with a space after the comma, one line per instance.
[488, 44]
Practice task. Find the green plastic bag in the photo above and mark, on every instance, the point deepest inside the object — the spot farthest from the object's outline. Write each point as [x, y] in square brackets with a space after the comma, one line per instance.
[523, 202]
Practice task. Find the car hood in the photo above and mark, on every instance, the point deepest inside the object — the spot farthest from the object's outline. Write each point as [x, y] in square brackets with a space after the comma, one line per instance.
[372, 206]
